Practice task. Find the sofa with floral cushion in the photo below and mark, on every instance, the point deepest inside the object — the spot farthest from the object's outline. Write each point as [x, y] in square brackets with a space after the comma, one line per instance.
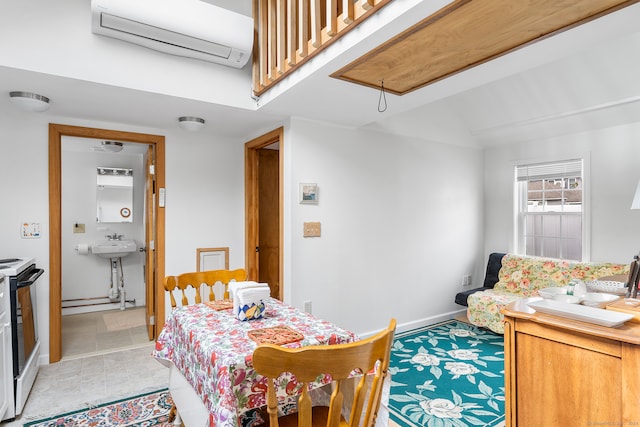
[490, 279]
[522, 276]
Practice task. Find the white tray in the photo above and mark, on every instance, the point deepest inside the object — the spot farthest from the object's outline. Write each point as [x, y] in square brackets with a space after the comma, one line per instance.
[598, 316]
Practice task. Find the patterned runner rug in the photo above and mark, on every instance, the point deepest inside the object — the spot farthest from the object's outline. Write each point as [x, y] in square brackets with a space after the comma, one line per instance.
[151, 409]
[447, 375]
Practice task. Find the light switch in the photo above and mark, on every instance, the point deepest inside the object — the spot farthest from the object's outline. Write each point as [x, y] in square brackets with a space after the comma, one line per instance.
[78, 228]
[311, 229]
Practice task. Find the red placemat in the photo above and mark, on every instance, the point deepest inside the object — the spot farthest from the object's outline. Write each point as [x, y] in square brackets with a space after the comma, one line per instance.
[220, 304]
[277, 335]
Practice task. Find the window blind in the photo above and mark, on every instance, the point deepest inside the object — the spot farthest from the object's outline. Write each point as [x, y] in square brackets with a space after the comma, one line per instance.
[562, 169]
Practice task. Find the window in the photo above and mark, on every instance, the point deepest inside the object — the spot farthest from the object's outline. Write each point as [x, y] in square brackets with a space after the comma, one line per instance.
[550, 209]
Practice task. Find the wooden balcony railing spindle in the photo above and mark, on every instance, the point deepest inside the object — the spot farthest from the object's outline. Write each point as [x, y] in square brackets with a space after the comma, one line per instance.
[273, 42]
[303, 28]
[263, 34]
[292, 31]
[316, 24]
[332, 17]
[289, 32]
[347, 11]
[368, 4]
[281, 49]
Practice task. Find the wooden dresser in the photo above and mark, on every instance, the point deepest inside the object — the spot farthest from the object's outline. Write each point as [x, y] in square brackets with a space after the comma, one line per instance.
[561, 372]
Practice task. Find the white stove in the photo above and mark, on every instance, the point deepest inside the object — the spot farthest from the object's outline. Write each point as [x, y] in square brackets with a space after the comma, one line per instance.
[14, 266]
[19, 362]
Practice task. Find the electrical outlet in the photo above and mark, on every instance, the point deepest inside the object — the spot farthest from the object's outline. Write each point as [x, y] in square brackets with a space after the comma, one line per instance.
[307, 307]
[466, 280]
[78, 228]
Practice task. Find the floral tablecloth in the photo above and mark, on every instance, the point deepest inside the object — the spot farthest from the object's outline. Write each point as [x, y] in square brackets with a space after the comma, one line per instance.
[212, 350]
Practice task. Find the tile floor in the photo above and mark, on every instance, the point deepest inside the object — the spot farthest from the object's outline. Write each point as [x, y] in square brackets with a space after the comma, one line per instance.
[87, 333]
[97, 366]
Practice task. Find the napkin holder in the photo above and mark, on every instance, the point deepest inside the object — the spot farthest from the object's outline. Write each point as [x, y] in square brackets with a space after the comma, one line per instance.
[249, 301]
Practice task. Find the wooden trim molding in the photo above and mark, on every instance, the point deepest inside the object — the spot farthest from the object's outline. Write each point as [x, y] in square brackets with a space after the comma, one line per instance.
[201, 251]
[251, 202]
[56, 132]
[465, 34]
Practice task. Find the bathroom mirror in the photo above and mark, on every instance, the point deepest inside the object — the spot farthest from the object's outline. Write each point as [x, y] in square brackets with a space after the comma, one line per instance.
[114, 195]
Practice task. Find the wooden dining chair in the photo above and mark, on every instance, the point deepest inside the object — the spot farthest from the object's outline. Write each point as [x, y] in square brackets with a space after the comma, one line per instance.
[369, 355]
[197, 278]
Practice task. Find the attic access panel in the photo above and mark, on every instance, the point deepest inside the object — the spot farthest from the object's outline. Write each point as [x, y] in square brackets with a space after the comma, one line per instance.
[464, 34]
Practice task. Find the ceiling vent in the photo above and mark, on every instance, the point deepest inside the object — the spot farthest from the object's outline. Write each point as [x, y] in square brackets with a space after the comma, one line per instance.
[189, 28]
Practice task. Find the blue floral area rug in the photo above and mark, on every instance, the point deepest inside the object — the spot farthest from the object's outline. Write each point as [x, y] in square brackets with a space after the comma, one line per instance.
[150, 409]
[447, 375]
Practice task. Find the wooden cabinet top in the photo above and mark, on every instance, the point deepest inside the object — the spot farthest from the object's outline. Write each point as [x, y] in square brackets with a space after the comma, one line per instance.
[628, 332]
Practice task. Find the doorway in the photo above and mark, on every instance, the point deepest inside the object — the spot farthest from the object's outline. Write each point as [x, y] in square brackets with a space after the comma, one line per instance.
[264, 178]
[154, 219]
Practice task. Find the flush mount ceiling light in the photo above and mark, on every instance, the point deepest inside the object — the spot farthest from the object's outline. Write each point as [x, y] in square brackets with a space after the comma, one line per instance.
[113, 146]
[192, 124]
[28, 101]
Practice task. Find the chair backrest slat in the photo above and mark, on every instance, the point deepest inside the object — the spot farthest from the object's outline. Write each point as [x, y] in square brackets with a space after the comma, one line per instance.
[369, 356]
[195, 280]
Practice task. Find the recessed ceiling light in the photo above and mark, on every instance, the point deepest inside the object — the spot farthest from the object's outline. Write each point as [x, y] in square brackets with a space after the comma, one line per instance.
[28, 101]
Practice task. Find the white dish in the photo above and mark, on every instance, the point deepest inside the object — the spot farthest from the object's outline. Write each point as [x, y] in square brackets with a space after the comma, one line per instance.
[551, 292]
[609, 286]
[597, 299]
[568, 299]
[597, 316]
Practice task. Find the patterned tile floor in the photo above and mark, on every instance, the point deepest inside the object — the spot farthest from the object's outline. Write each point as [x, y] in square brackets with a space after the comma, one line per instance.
[97, 366]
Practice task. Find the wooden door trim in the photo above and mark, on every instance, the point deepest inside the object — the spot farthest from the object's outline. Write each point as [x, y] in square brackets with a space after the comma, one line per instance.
[150, 212]
[56, 132]
[251, 202]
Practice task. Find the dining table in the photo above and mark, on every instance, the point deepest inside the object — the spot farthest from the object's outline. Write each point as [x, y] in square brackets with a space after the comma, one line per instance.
[209, 351]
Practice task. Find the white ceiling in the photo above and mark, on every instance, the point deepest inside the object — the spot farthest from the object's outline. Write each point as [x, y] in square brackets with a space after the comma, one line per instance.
[240, 6]
[578, 80]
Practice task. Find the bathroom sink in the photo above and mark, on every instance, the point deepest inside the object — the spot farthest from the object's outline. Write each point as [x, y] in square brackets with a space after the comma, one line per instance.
[114, 248]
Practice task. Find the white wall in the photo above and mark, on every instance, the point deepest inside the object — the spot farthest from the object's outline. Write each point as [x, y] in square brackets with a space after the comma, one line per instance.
[24, 182]
[205, 196]
[402, 219]
[73, 51]
[89, 276]
[386, 248]
[401, 224]
[614, 174]
[205, 201]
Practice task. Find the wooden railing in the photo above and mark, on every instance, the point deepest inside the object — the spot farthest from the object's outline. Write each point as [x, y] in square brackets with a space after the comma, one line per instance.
[290, 32]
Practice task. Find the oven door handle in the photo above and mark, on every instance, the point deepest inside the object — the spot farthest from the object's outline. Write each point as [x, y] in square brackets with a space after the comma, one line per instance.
[24, 283]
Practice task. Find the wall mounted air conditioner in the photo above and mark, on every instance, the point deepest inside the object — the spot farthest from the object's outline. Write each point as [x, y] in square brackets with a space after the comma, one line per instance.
[189, 28]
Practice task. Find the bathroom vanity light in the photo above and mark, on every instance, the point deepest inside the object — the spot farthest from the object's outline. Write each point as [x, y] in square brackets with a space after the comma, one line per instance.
[191, 124]
[28, 101]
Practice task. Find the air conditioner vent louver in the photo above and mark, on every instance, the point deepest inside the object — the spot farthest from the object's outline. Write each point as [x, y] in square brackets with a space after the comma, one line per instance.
[160, 35]
[179, 27]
